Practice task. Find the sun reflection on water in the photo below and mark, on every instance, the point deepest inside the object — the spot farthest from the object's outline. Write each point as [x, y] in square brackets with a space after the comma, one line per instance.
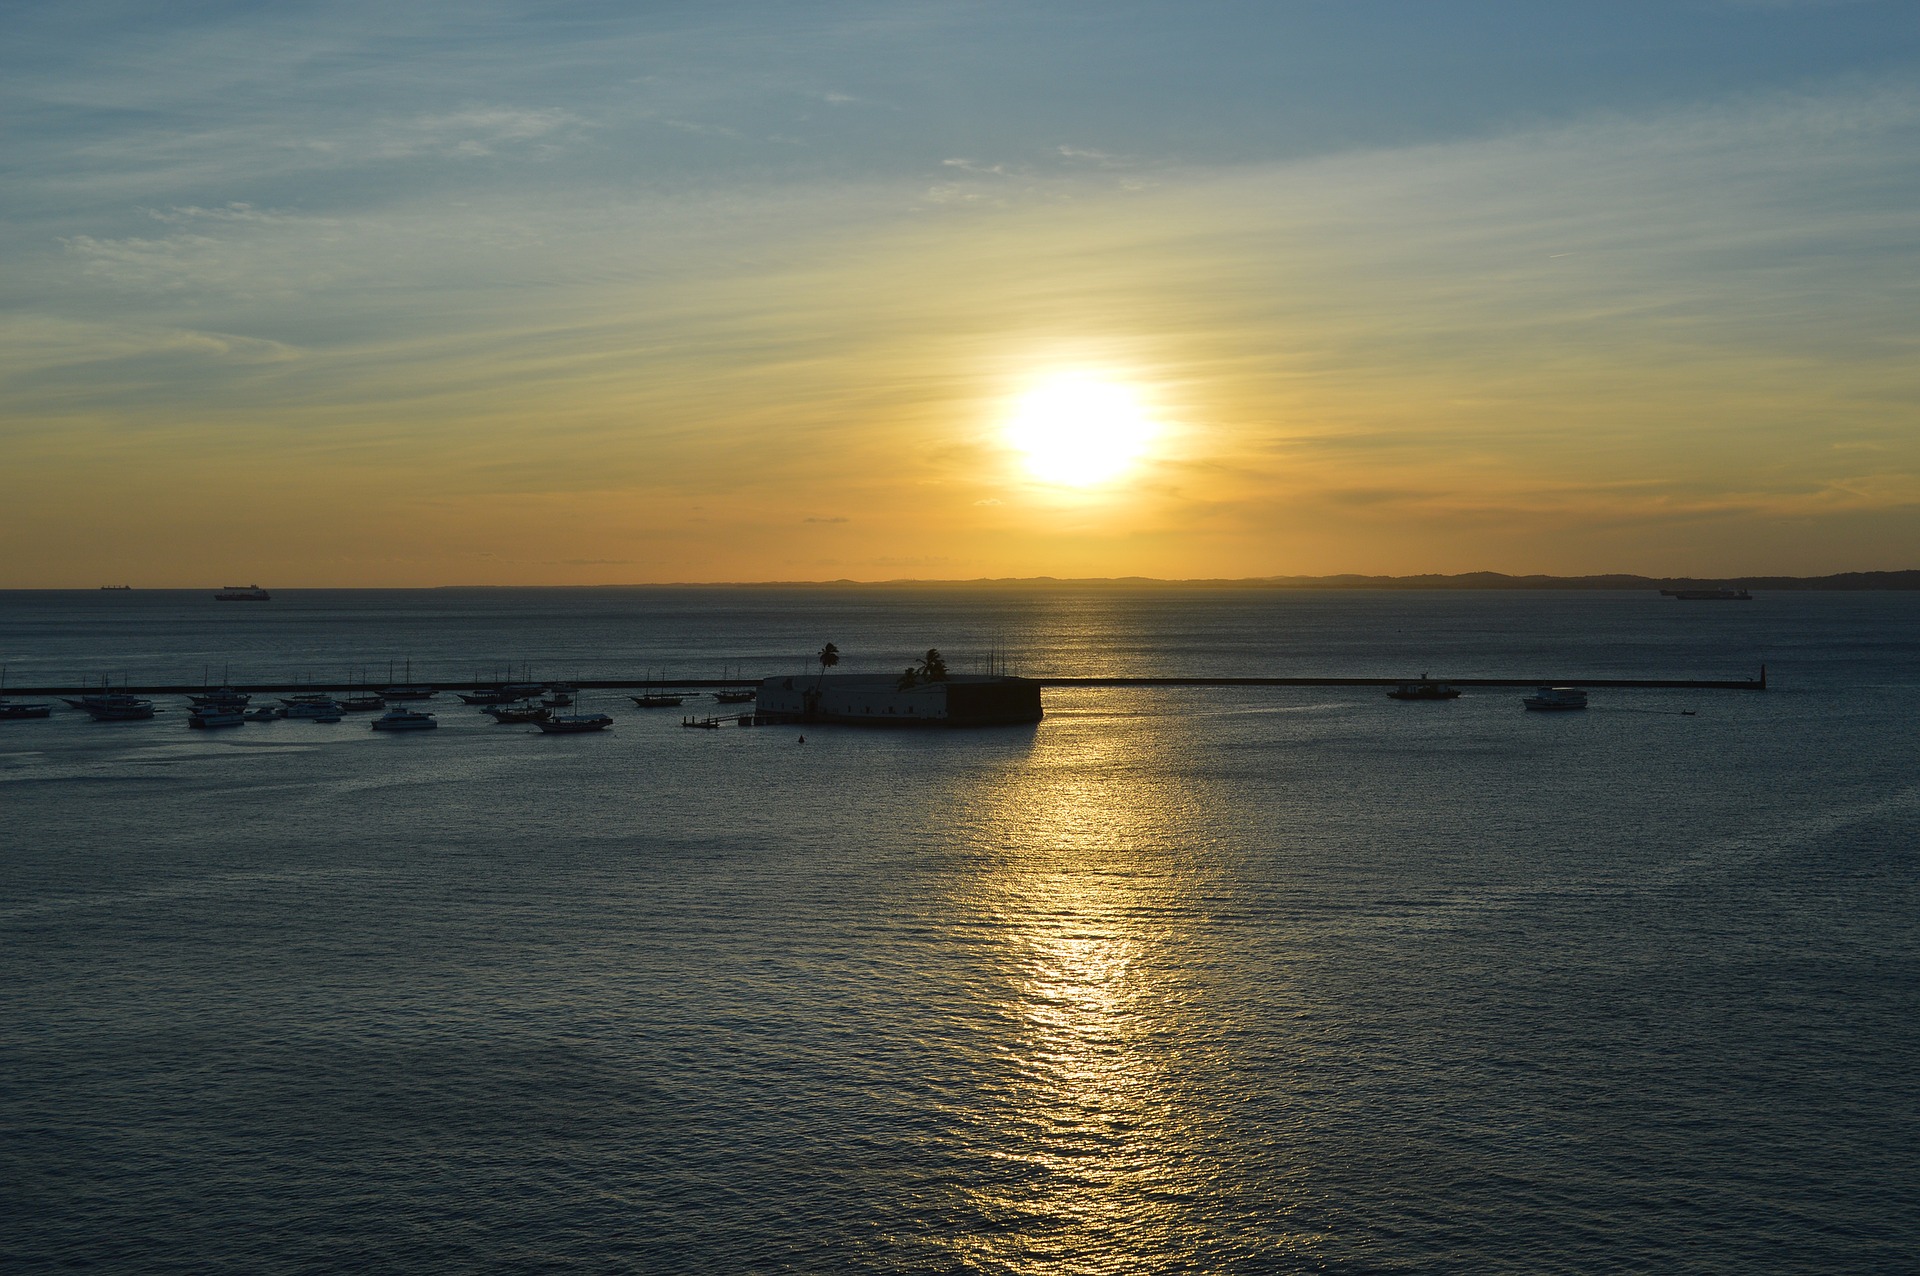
[1102, 1160]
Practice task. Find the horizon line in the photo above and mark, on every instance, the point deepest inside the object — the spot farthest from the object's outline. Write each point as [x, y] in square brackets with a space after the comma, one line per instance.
[1898, 578]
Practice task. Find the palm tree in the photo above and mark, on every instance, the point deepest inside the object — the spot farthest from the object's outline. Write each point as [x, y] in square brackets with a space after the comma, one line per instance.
[829, 657]
[934, 667]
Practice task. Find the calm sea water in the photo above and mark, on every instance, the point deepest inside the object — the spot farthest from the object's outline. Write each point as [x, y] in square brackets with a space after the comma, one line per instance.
[1288, 980]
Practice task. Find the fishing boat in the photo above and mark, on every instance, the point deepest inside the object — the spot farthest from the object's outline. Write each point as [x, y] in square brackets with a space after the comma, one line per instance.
[404, 720]
[1556, 699]
[242, 594]
[1424, 690]
[116, 708]
[560, 696]
[213, 716]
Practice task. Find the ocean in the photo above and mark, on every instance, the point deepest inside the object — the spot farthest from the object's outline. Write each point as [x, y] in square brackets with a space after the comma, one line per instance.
[1178, 980]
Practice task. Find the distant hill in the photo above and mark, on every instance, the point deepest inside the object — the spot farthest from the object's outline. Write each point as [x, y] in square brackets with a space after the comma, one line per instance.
[1842, 582]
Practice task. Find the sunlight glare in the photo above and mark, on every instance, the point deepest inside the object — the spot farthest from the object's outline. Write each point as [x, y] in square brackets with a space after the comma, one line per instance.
[1079, 429]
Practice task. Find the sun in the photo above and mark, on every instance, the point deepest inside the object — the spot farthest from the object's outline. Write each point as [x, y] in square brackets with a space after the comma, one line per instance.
[1079, 429]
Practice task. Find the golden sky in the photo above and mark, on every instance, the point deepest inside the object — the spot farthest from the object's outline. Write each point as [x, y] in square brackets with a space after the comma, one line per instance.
[326, 296]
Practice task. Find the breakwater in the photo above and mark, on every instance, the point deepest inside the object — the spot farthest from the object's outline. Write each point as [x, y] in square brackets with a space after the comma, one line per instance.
[700, 684]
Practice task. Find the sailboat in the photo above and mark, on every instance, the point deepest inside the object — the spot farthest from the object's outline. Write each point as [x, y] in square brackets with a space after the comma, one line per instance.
[573, 723]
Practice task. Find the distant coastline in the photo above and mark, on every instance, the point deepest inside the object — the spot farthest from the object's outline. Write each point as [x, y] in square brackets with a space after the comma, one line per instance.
[1842, 582]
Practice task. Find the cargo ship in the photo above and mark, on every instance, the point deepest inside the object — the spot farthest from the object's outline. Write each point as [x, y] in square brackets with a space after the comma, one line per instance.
[236, 594]
[1709, 595]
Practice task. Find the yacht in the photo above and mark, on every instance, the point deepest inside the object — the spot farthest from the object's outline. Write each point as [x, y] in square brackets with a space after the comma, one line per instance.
[265, 713]
[404, 720]
[362, 704]
[1556, 698]
[214, 716]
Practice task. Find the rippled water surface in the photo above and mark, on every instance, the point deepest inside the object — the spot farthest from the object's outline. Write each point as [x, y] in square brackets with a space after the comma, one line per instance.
[1177, 980]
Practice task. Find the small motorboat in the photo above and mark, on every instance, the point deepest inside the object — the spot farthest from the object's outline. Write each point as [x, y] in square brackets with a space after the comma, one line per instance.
[9, 711]
[574, 723]
[404, 720]
[265, 713]
[1556, 698]
[215, 716]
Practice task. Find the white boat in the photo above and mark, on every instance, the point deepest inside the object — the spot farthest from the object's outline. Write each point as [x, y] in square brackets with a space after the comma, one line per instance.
[1556, 698]
[215, 716]
[265, 713]
[404, 720]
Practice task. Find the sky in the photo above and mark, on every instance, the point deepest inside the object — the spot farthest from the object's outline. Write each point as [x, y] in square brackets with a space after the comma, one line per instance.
[345, 294]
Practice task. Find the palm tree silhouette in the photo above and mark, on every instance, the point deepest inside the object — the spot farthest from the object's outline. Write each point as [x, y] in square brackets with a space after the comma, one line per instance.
[934, 667]
[829, 657]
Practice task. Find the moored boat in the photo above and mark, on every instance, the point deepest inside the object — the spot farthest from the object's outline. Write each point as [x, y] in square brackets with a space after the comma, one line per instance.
[215, 716]
[321, 709]
[574, 723]
[404, 720]
[1556, 698]
[116, 708]
[9, 711]
[512, 713]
